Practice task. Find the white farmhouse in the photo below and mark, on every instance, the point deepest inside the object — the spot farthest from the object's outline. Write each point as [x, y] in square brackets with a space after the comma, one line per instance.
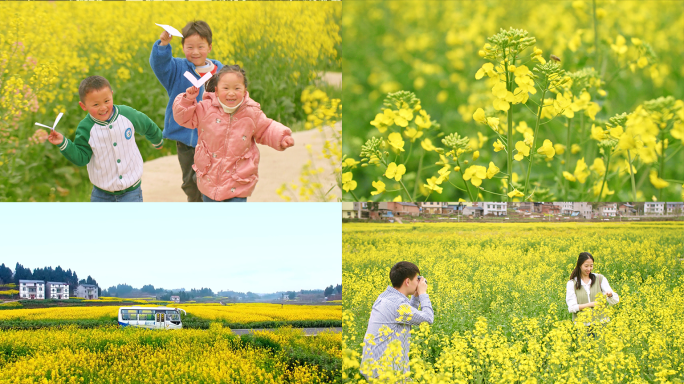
[495, 208]
[656, 208]
[58, 290]
[32, 289]
[87, 291]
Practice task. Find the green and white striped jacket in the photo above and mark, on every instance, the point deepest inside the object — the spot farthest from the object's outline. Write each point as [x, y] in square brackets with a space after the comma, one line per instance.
[109, 149]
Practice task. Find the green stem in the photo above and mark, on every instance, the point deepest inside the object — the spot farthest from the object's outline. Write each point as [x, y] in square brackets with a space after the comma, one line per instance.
[406, 190]
[420, 167]
[605, 176]
[354, 196]
[674, 153]
[661, 158]
[408, 157]
[455, 186]
[534, 141]
[567, 161]
[509, 118]
[631, 174]
[464, 180]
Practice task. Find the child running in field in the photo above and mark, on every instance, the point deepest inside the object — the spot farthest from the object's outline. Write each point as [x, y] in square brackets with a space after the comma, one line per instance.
[105, 142]
[229, 125]
[169, 70]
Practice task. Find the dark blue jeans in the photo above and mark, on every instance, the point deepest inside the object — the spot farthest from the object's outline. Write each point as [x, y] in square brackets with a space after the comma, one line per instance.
[134, 196]
[233, 200]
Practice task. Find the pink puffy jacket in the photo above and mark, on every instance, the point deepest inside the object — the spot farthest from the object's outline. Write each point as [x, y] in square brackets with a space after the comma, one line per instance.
[226, 156]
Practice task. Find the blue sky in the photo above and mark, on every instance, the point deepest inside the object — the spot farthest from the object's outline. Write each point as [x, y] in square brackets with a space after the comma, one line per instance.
[258, 247]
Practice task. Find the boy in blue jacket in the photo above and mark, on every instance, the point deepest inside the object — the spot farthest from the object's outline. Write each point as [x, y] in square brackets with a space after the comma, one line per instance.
[169, 70]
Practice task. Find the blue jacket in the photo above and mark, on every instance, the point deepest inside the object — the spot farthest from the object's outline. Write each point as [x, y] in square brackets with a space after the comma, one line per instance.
[169, 70]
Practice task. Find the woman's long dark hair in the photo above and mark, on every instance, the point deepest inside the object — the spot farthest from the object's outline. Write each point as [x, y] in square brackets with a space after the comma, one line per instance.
[577, 272]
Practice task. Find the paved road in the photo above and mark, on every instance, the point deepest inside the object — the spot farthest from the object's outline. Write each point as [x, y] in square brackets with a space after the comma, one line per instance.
[308, 331]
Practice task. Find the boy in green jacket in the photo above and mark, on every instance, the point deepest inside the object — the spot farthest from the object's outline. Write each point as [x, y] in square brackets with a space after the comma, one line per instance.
[105, 143]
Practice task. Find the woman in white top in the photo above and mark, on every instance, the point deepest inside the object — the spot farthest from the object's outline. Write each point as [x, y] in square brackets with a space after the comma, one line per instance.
[584, 286]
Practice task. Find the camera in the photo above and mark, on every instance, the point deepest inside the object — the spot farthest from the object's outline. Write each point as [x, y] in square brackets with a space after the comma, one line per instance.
[421, 277]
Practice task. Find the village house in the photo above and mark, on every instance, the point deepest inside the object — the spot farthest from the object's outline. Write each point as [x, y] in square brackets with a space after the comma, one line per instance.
[530, 207]
[550, 209]
[434, 207]
[627, 209]
[473, 210]
[32, 289]
[87, 291]
[348, 211]
[675, 208]
[58, 290]
[361, 209]
[655, 208]
[393, 209]
[495, 208]
[607, 209]
[175, 299]
[576, 209]
[455, 207]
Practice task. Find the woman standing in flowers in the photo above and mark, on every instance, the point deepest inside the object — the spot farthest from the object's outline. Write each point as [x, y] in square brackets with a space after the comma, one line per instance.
[584, 286]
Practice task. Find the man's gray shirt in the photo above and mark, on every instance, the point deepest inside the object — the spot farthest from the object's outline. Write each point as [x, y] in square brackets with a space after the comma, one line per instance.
[386, 312]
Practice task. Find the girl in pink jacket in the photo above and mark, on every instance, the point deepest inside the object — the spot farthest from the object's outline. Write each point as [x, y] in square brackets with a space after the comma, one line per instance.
[229, 125]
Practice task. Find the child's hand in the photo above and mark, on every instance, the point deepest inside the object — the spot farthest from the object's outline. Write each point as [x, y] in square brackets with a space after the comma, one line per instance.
[165, 38]
[287, 142]
[191, 93]
[55, 138]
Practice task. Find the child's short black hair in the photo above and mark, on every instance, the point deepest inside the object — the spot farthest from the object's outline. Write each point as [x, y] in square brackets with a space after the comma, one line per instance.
[213, 82]
[402, 270]
[92, 83]
[197, 27]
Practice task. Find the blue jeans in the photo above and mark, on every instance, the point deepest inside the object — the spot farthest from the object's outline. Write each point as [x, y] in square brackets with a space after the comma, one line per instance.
[134, 196]
[233, 200]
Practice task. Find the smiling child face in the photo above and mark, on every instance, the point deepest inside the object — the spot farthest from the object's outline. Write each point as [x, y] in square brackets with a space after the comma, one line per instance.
[99, 103]
[231, 89]
[196, 49]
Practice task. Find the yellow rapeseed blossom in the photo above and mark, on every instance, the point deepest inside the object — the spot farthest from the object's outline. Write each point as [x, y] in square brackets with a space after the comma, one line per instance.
[348, 183]
[656, 181]
[395, 171]
[569, 176]
[581, 171]
[475, 173]
[547, 149]
[394, 139]
[379, 186]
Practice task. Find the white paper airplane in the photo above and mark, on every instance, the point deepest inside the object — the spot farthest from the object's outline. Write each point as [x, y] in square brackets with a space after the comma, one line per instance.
[171, 30]
[195, 82]
[54, 125]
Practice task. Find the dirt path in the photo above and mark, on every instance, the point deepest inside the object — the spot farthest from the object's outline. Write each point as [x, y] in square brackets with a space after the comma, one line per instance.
[308, 331]
[161, 180]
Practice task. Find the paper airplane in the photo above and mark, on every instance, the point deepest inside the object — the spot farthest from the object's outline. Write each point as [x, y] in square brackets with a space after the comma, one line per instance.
[195, 82]
[171, 30]
[54, 125]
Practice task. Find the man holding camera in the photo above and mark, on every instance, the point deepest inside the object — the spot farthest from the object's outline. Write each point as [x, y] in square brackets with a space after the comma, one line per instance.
[391, 319]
